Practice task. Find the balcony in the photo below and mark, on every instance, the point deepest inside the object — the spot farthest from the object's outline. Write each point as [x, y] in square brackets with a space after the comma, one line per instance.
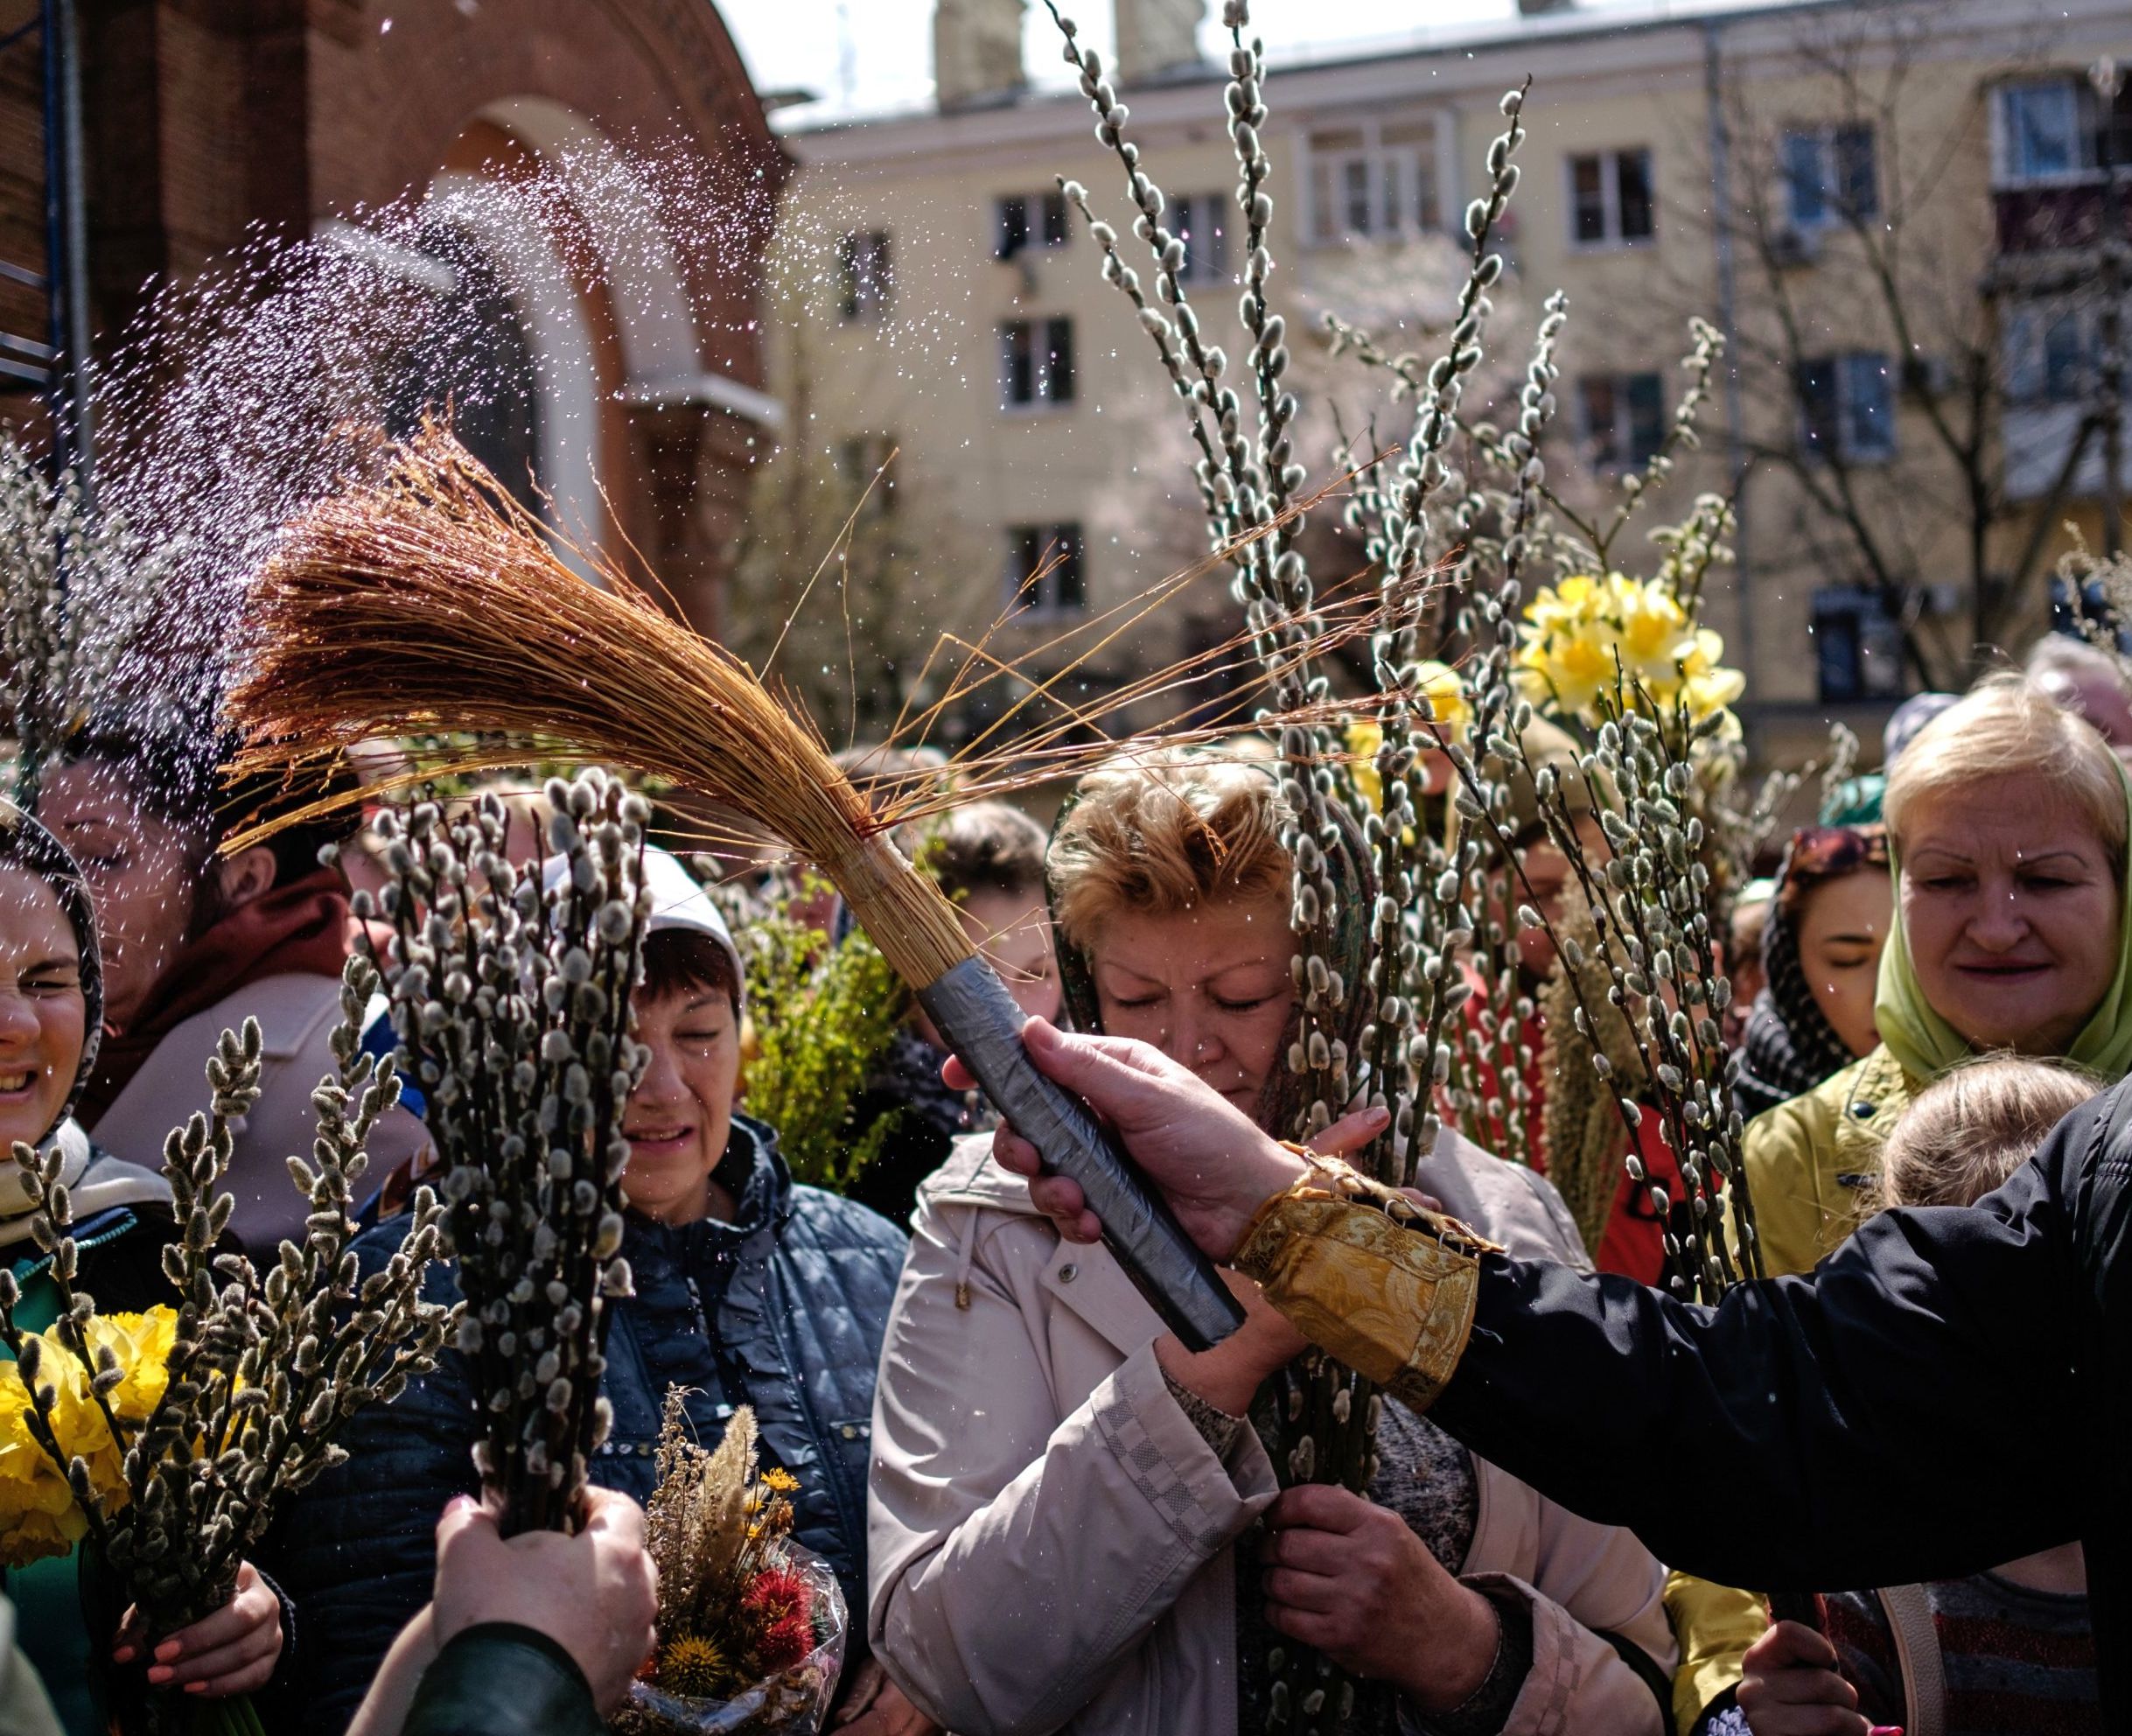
[2054, 219]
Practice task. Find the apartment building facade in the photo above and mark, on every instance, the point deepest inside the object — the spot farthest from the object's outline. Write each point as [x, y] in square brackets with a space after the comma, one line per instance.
[1894, 215]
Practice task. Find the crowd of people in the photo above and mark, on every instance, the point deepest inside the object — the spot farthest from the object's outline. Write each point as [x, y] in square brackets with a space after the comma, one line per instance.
[1045, 1511]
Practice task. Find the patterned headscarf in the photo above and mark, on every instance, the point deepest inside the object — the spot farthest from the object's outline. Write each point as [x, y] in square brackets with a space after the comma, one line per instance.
[1348, 866]
[1789, 1046]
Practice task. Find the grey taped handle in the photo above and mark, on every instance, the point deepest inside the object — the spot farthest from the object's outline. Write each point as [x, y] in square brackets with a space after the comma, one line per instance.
[972, 1010]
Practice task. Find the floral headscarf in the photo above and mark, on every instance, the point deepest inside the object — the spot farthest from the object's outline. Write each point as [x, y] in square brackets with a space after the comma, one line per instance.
[1789, 1046]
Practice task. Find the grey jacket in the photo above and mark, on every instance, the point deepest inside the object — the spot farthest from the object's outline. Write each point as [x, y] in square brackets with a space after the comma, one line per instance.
[1049, 1535]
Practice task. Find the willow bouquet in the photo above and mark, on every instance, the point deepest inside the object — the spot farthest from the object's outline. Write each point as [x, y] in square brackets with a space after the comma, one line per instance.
[163, 1444]
[1457, 521]
[510, 1001]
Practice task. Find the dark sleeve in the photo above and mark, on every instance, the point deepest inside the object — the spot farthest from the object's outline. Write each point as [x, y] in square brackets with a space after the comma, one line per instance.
[500, 1679]
[356, 1550]
[1797, 1435]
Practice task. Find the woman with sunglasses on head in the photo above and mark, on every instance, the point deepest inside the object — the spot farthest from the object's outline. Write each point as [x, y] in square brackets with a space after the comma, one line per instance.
[50, 1016]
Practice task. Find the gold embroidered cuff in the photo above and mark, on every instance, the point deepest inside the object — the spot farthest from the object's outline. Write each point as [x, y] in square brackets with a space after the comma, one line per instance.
[1371, 1277]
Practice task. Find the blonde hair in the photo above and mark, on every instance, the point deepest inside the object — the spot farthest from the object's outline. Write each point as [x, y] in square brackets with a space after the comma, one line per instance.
[1974, 1126]
[2007, 728]
[1164, 833]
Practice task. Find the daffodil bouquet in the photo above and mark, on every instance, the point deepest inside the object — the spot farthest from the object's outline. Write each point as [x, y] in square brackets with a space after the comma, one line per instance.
[161, 1443]
[1593, 647]
[751, 1625]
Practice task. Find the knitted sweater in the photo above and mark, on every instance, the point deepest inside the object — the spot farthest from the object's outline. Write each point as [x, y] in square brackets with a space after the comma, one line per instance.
[2018, 1662]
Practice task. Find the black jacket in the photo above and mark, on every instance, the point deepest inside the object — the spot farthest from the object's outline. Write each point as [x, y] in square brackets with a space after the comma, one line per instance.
[783, 1310]
[1951, 1388]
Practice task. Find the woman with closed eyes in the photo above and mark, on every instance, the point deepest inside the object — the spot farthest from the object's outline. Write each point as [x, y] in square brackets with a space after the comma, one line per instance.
[1075, 1524]
[52, 997]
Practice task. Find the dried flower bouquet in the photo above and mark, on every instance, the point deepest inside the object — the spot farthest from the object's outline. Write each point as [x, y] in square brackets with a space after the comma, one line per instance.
[751, 1625]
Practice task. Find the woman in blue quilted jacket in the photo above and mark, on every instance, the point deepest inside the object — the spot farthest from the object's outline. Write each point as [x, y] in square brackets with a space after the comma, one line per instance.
[750, 1289]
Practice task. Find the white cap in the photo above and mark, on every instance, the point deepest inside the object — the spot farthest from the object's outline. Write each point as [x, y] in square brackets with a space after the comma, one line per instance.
[678, 902]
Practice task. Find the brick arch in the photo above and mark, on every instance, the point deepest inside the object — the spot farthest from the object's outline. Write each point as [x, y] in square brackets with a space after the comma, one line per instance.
[210, 122]
[389, 107]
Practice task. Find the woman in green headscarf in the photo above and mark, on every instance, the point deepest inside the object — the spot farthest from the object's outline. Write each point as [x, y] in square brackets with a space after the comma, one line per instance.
[2008, 818]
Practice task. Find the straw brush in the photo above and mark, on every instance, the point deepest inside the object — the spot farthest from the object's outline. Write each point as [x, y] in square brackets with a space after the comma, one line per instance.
[431, 601]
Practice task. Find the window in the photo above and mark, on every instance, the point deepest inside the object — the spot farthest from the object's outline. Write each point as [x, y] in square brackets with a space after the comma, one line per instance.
[1022, 221]
[1044, 569]
[860, 460]
[1857, 648]
[1831, 176]
[2051, 351]
[1847, 406]
[1611, 202]
[1200, 221]
[1036, 359]
[1623, 416]
[1376, 180]
[2054, 129]
[861, 263]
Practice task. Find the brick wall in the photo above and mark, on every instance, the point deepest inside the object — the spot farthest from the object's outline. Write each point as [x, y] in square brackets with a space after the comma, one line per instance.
[207, 117]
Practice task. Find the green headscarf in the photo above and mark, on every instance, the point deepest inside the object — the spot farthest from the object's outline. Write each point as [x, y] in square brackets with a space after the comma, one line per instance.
[1927, 1046]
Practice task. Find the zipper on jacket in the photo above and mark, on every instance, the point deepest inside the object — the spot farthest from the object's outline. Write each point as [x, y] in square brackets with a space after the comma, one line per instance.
[826, 1450]
[26, 1270]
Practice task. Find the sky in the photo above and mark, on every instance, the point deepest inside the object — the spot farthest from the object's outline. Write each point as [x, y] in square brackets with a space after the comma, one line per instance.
[866, 56]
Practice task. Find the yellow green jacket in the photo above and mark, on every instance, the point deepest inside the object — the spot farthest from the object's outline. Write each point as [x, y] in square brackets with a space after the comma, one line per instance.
[1808, 1160]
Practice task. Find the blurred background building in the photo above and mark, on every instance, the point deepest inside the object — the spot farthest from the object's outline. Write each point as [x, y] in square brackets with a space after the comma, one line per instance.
[1901, 215]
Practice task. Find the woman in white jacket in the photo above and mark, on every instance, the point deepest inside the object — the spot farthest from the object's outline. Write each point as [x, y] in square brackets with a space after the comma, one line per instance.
[1064, 1500]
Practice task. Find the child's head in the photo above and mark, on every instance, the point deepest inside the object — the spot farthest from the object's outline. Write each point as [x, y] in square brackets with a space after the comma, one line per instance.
[1973, 1127]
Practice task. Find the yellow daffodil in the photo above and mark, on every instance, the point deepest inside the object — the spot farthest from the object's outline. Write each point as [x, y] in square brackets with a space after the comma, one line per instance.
[1650, 632]
[1568, 675]
[142, 1344]
[1364, 737]
[39, 1515]
[1440, 685]
[1567, 606]
[1585, 634]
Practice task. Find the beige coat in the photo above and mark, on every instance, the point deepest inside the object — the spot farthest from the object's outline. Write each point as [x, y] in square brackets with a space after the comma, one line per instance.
[1050, 1537]
[296, 1015]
